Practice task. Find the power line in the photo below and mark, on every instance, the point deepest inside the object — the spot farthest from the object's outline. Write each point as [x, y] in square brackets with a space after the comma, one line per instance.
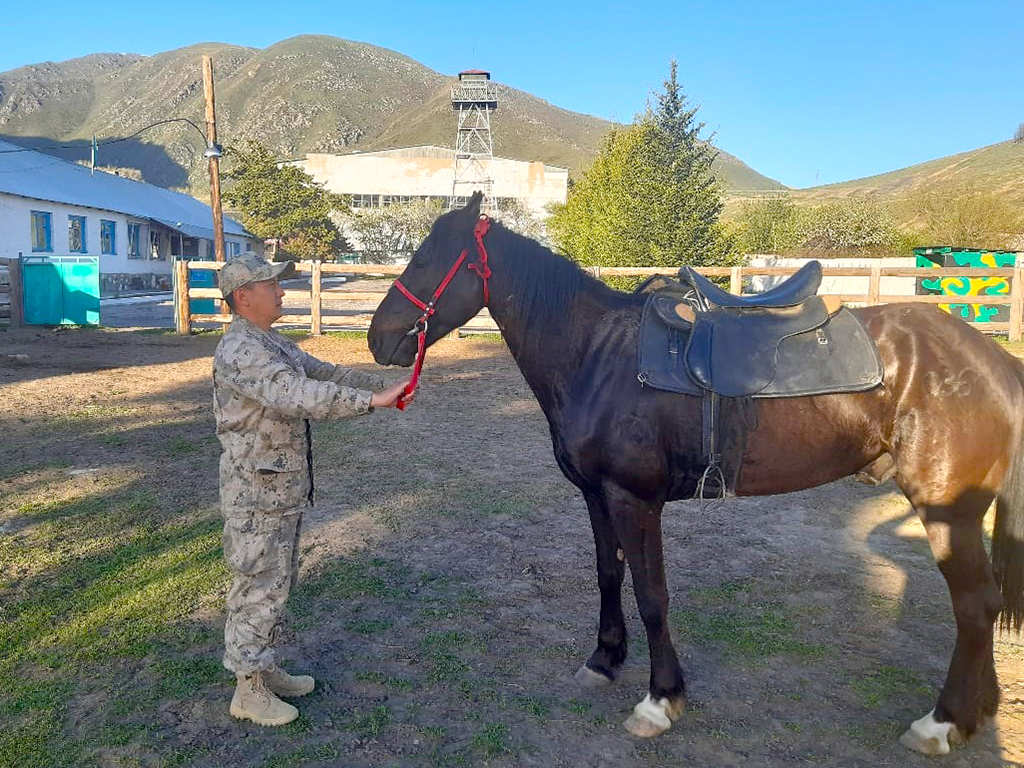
[107, 141]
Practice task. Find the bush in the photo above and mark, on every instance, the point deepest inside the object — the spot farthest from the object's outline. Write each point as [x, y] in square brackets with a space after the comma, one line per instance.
[966, 217]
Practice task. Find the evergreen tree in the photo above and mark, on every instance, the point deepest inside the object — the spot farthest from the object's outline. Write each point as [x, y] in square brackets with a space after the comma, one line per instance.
[650, 198]
[284, 203]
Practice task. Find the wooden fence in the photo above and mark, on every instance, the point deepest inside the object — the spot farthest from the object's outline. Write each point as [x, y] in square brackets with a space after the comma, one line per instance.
[10, 292]
[317, 320]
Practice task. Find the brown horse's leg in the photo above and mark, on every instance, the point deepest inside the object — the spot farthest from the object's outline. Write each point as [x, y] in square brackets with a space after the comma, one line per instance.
[971, 692]
[606, 660]
[638, 525]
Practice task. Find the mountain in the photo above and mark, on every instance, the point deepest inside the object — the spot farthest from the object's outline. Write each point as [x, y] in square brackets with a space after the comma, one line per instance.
[996, 168]
[310, 93]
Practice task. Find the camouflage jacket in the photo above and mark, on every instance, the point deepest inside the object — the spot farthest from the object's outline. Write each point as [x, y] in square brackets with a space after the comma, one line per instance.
[264, 390]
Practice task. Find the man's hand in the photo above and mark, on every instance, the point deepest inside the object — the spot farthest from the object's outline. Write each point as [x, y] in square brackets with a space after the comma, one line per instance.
[388, 397]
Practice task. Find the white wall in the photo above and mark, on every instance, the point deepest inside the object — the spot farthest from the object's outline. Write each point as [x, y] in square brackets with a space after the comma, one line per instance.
[890, 286]
[429, 172]
[16, 235]
[16, 238]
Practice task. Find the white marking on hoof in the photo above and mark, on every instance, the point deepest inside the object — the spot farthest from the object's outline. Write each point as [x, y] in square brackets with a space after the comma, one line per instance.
[588, 678]
[930, 737]
[650, 717]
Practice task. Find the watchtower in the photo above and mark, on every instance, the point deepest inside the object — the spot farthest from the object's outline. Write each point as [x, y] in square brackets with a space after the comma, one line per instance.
[474, 99]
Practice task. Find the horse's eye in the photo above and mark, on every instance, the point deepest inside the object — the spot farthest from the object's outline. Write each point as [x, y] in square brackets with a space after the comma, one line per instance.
[419, 261]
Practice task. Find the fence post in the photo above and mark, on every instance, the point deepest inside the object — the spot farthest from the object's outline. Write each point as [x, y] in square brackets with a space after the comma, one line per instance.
[315, 301]
[182, 311]
[1017, 305]
[17, 303]
[874, 285]
[736, 280]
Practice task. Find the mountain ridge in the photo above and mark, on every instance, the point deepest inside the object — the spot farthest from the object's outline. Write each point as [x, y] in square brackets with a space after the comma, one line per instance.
[310, 93]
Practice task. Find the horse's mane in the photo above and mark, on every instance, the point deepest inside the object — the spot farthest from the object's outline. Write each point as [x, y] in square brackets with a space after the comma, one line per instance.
[545, 283]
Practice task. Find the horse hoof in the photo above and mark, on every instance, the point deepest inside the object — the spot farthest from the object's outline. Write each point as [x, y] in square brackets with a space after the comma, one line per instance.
[588, 678]
[930, 737]
[652, 717]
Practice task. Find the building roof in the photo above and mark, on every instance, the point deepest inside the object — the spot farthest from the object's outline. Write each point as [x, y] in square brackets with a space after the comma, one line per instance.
[44, 177]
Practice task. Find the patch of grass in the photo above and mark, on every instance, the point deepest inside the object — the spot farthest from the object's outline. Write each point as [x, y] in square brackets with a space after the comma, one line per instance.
[37, 742]
[346, 334]
[370, 626]
[445, 666]
[578, 706]
[492, 740]
[886, 684]
[884, 607]
[326, 751]
[180, 446]
[875, 736]
[370, 724]
[12, 471]
[388, 681]
[180, 677]
[747, 628]
[535, 707]
[345, 579]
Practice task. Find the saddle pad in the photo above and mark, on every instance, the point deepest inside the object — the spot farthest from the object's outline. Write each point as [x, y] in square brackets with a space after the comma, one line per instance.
[847, 362]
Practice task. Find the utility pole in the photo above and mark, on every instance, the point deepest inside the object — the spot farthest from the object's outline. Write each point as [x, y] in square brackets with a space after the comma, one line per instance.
[214, 160]
[211, 140]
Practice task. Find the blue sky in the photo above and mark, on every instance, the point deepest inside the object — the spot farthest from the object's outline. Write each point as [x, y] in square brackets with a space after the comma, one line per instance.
[804, 92]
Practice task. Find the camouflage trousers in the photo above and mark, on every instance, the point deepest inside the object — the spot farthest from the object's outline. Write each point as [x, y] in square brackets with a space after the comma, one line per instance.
[263, 554]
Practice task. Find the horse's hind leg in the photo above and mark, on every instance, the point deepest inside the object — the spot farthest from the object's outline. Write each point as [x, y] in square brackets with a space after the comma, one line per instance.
[604, 663]
[638, 525]
[971, 693]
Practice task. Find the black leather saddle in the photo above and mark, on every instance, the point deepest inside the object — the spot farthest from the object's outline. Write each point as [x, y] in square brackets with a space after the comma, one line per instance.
[696, 338]
[795, 289]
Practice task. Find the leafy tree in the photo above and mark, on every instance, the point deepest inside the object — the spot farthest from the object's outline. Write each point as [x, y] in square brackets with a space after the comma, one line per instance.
[770, 224]
[845, 225]
[650, 198]
[385, 234]
[519, 218]
[967, 217]
[284, 203]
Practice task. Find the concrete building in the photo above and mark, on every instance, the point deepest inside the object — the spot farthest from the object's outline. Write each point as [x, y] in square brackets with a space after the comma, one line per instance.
[375, 179]
[50, 209]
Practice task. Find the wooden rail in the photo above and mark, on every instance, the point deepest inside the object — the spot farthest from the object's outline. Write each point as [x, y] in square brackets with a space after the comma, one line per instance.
[318, 321]
[10, 292]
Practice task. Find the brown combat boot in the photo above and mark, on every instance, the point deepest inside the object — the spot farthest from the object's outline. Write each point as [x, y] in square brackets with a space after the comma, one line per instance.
[254, 701]
[283, 684]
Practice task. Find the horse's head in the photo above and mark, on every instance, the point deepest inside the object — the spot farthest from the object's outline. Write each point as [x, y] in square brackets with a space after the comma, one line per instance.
[392, 335]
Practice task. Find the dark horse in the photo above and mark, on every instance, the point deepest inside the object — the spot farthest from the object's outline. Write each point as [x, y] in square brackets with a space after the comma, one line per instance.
[945, 424]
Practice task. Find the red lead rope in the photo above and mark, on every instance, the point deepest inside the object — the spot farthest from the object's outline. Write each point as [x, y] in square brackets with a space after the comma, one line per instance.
[420, 326]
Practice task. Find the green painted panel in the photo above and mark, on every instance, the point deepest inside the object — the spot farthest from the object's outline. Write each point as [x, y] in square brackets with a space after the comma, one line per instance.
[61, 290]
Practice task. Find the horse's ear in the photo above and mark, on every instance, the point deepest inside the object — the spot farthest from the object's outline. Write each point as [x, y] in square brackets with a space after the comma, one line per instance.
[472, 209]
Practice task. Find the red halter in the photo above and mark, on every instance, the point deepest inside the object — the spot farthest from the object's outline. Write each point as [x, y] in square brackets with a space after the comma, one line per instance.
[420, 326]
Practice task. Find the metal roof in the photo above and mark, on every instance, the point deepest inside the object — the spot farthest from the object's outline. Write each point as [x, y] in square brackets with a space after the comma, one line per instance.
[44, 177]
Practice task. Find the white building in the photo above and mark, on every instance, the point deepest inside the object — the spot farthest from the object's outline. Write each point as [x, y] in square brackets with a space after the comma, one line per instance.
[53, 208]
[374, 179]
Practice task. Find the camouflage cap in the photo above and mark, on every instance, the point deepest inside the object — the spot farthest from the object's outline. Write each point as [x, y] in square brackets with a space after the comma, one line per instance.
[249, 267]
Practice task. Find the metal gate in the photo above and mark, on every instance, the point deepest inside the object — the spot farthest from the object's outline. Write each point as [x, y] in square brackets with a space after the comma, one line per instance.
[61, 290]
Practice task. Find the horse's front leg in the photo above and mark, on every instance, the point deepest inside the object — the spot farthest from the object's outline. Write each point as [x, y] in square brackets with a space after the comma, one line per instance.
[604, 663]
[638, 526]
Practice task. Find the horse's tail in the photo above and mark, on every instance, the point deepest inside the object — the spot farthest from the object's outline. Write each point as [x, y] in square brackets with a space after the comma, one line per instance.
[1008, 540]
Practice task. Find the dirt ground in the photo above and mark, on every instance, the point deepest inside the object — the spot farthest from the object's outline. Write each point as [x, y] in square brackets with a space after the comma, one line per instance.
[449, 592]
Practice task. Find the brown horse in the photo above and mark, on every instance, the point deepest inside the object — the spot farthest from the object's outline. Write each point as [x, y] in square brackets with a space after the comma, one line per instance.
[945, 424]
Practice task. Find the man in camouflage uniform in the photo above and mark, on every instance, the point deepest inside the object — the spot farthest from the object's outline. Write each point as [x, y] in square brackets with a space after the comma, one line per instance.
[266, 391]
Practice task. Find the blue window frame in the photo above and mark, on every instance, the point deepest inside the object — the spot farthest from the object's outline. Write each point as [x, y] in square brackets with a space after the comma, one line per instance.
[134, 246]
[108, 237]
[42, 229]
[234, 248]
[76, 234]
